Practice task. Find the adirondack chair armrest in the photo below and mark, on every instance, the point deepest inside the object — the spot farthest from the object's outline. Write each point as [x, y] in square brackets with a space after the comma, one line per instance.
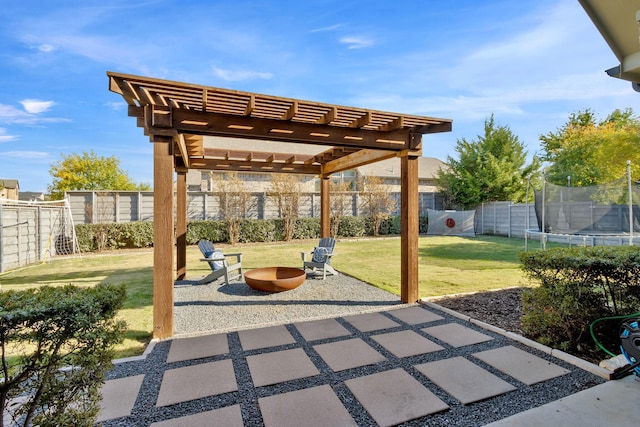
[233, 254]
[238, 255]
[307, 253]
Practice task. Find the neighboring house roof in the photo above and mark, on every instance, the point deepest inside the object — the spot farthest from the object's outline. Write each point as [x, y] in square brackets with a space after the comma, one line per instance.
[10, 183]
[390, 168]
[30, 196]
[617, 21]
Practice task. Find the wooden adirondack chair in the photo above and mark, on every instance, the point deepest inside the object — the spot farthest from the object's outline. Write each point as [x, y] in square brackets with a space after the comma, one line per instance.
[320, 257]
[220, 267]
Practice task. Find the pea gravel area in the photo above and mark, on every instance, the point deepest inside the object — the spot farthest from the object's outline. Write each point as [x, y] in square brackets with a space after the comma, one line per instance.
[218, 307]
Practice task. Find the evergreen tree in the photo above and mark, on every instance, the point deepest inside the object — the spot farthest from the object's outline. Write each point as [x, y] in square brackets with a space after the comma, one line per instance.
[491, 168]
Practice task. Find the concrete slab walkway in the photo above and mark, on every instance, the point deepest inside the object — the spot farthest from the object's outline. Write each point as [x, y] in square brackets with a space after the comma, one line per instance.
[415, 365]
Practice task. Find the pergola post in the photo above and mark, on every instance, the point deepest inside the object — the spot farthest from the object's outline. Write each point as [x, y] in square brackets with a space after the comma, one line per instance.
[162, 236]
[409, 227]
[181, 224]
[325, 206]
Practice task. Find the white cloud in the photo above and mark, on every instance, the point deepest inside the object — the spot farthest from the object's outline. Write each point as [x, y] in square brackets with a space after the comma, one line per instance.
[46, 48]
[239, 75]
[116, 106]
[329, 28]
[9, 114]
[6, 138]
[25, 154]
[356, 42]
[36, 106]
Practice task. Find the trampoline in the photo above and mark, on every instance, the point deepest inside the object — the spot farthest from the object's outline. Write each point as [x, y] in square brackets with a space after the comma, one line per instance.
[606, 214]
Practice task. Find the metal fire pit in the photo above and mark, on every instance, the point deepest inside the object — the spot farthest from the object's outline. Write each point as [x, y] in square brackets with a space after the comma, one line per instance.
[275, 279]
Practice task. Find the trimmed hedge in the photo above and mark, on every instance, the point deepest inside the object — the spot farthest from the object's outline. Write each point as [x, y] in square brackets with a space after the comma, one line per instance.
[578, 286]
[139, 234]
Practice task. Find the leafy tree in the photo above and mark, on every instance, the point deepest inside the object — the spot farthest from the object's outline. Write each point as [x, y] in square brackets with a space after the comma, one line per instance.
[491, 168]
[340, 196]
[377, 200]
[592, 152]
[88, 171]
[235, 202]
[285, 188]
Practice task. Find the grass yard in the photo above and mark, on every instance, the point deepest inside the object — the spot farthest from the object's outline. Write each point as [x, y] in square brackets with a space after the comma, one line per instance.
[447, 265]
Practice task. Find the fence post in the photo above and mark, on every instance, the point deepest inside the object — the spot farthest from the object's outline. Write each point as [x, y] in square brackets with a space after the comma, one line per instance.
[509, 221]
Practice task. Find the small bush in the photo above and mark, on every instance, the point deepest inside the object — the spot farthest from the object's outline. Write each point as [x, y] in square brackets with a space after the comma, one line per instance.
[257, 230]
[354, 226]
[50, 328]
[307, 228]
[578, 286]
[215, 231]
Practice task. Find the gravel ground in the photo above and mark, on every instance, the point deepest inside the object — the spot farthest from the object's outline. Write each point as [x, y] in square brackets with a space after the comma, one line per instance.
[222, 308]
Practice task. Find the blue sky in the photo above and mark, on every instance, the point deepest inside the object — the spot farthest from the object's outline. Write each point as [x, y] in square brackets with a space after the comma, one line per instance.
[530, 63]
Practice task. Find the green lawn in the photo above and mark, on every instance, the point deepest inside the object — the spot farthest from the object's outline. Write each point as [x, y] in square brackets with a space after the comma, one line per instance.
[447, 265]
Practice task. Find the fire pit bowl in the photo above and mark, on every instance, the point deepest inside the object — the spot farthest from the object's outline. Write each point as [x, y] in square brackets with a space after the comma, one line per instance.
[275, 279]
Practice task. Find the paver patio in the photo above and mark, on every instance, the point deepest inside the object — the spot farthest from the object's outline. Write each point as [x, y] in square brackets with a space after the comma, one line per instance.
[413, 365]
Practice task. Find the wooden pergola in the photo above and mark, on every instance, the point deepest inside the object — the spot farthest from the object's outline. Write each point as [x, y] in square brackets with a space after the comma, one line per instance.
[176, 117]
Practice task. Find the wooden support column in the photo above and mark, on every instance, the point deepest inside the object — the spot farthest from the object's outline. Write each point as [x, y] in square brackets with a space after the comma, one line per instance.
[325, 206]
[162, 237]
[181, 225]
[409, 227]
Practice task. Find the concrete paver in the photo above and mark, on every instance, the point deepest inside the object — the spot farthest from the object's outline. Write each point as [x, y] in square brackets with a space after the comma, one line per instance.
[196, 381]
[348, 354]
[415, 315]
[229, 416]
[280, 366]
[198, 347]
[394, 396]
[370, 322]
[456, 335]
[321, 329]
[252, 339]
[317, 406]
[406, 343]
[121, 395]
[521, 365]
[464, 380]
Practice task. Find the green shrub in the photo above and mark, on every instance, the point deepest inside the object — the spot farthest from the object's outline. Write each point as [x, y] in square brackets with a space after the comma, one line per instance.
[215, 231]
[139, 234]
[86, 239]
[354, 226]
[307, 228]
[50, 328]
[578, 286]
[257, 230]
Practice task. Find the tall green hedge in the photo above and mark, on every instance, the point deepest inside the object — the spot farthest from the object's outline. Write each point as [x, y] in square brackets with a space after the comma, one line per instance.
[578, 286]
[94, 237]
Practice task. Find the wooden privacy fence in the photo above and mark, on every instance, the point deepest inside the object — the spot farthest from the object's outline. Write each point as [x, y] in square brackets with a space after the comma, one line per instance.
[30, 233]
[88, 207]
